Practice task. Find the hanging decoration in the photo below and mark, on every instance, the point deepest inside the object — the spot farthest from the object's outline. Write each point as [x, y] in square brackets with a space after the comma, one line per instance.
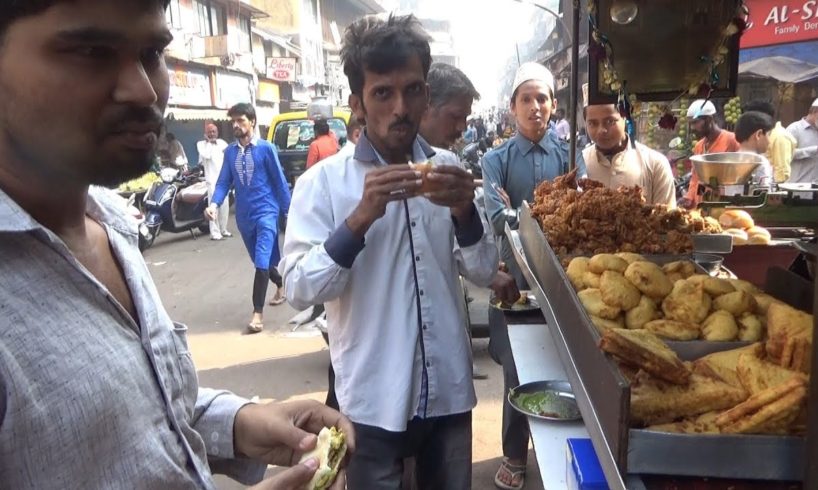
[601, 50]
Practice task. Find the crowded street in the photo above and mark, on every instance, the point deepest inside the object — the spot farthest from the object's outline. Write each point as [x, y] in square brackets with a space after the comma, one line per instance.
[408, 245]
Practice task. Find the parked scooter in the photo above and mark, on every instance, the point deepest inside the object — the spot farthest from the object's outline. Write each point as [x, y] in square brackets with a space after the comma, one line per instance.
[471, 156]
[175, 204]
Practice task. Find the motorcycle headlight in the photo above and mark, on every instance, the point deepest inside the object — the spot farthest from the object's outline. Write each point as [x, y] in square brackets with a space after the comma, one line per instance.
[168, 174]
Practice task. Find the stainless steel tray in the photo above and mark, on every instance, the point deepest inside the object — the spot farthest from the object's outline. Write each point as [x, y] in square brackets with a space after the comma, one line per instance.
[603, 395]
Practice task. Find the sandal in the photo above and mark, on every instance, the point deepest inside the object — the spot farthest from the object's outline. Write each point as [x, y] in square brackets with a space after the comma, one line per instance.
[516, 472]
[277, 300]
[255, 327]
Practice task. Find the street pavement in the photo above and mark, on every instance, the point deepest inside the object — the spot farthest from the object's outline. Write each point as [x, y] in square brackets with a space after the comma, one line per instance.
[207, 285]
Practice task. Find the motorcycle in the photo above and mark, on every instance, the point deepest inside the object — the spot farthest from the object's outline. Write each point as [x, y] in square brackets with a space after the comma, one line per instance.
[175, 204]
[471, 156]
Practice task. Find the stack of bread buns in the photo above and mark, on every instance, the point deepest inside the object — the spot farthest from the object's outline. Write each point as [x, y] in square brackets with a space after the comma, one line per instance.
[740, 225]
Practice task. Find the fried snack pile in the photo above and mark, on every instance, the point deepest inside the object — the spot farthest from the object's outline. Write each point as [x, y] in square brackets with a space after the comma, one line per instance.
[625, 290]
[740, 391]
[598, 220]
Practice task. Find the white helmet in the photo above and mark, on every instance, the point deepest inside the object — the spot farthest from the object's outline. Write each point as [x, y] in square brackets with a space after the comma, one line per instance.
[701, 108]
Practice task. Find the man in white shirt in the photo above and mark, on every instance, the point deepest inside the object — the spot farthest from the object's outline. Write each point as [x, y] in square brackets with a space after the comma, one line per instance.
[615, 160]
[384, 253]
[805, 161]
[354, 130]
[561, 126]
[211, 158]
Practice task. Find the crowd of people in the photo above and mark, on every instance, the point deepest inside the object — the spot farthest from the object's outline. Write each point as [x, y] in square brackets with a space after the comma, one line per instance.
[102, 368]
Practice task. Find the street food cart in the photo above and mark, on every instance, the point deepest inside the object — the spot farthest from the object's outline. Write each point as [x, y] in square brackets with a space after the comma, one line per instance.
[564, 343]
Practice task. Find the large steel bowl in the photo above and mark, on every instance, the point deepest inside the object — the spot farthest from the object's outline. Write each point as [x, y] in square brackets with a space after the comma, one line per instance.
[726, 168]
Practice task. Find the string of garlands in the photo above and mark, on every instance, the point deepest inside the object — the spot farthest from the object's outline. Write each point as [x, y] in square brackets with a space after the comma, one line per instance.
[601, 49]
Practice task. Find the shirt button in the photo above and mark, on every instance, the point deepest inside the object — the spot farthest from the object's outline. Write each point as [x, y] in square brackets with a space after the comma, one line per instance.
[428, 364]
[421, 292]
[417, 258]
[425, 327]
[414, 224]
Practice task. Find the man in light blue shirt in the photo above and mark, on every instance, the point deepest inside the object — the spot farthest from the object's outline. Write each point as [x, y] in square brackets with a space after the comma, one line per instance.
[511, 172]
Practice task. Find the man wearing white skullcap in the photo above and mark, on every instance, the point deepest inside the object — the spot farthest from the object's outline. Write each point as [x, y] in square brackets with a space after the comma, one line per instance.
[511, 172]
[804, 167]
[712, 139]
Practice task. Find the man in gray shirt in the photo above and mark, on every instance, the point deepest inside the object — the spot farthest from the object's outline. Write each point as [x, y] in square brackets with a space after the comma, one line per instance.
[805, 161]
[97, 386]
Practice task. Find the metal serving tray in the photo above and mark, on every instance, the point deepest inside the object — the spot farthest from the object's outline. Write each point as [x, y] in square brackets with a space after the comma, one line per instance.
[603, 394]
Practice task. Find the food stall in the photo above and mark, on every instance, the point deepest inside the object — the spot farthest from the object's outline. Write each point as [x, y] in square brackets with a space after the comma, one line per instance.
[684, 377]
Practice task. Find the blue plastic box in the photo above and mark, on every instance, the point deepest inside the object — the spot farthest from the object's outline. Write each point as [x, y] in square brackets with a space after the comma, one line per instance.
[583, 469]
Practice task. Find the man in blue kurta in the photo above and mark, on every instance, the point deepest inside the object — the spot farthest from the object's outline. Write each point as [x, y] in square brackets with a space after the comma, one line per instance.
[251, 166]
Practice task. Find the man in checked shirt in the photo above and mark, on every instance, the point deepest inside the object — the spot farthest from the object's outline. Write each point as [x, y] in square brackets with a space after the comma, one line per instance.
[97, 386]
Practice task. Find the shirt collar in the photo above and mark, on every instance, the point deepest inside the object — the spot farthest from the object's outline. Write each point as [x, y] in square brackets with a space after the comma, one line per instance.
[365, 152]
[525, 145]
[806, 125]
[101, 205]
[253, 142]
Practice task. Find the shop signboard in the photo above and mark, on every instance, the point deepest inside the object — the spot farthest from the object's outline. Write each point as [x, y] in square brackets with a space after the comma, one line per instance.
[189, 87]
[233, 88]
[780, 22]
[281, 69]
[268, 91]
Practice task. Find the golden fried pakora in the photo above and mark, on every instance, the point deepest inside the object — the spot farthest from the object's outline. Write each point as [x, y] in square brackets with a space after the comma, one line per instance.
[591, 280]
[644, 312]
[768, 412]
[618, 291]
[737, 303]
[687, 303]
[713, 286]
[606, 262]
[724, 365]
[576, 271]
[631, 257]
[673, 330]
[650, 279]
[685, 268]
[603, 324]
[592, 300]
[750, 328]
[646, 351]
[720, 326]
[746, 286]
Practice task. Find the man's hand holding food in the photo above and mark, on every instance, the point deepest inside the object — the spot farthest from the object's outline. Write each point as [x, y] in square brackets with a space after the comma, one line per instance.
[282, 433]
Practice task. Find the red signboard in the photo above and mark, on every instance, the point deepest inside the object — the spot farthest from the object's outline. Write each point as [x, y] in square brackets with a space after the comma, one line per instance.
[780, 22]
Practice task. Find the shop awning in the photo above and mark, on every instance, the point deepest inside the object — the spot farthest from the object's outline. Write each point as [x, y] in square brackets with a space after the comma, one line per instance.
[276, 39]
[184, 114]
[781, 68]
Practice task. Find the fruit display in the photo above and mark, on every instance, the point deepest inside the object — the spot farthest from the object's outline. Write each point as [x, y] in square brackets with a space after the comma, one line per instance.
[732, 110]
[139, 184]
[673, 302]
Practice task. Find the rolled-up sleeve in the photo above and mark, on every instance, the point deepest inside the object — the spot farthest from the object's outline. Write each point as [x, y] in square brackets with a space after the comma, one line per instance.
[312, 275]
[478, 262]
[213, 418]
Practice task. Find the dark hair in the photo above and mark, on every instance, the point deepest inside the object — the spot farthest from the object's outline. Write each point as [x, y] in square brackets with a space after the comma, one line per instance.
[321, 127]
[750, 122]
[382, 46]
[759, 106]
[447, 82]
[243, 109]
[14, 10]
[353, 125]
[560, 112]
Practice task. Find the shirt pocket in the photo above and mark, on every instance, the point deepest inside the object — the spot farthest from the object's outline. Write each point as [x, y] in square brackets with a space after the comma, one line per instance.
[186, 386]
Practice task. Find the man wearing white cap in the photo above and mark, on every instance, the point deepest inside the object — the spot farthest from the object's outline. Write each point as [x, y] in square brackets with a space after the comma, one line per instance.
[511, 172]
[804, 167]
[713, 139]
[616, 160]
